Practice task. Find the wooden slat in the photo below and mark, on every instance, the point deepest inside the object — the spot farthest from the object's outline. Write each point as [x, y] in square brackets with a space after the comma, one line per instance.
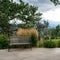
[19, 43]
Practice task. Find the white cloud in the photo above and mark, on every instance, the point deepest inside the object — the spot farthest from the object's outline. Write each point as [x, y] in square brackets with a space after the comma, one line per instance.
[52, 15]
[16, 21]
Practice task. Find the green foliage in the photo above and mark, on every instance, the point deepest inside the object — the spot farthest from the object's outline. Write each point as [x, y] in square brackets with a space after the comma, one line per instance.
[42, 28]
[59, 43]
[3, 42]
[53, 43]
[34, 40]
[49, 44]
[55, 32]
[46, 37]
[40, 44]
[56, 42]
[56, 2]
[29, 15]
[10, 10]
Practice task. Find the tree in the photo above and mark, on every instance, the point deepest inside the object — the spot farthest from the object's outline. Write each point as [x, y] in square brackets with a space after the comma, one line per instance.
[5, 14]
[29, 15]
[55, 32]
[8, 11]
[46, 25]
[42, 28]
[52, 33]
[58, 31]
[56, 2]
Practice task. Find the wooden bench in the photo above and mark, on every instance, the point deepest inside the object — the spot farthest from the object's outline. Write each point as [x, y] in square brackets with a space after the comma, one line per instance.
[22, 40]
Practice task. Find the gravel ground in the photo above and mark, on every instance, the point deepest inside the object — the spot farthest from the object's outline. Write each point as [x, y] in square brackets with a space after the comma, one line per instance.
[28, 54]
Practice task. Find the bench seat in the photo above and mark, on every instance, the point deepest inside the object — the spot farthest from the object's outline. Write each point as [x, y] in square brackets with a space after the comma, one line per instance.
[19, 43]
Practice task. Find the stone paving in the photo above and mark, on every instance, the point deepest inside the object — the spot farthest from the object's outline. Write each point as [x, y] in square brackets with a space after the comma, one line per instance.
[28, 54]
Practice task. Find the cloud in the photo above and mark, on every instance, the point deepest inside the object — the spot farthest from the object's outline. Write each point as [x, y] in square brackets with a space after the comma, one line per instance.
[52, 15]
[37, 1]
[43, 5]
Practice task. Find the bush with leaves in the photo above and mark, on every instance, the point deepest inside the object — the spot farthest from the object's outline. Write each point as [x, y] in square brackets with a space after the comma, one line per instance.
[34, 40]
[59, 43]
[40, 44]
[3, 42]
[49, 44]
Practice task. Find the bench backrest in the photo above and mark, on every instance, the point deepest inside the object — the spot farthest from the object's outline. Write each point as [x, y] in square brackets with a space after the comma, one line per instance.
[22, 39]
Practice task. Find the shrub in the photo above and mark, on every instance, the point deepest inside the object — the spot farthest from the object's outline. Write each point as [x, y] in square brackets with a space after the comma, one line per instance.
[49, 44]
[56, 41]
[3, 42]
[34, 40]
[46, 37]
[27, 32]
[59, 43]
[39, 44]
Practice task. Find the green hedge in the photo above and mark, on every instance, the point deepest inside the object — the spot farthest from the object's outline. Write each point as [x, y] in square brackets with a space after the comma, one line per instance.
[52, 43]
[3, 42]
[49, 44]
[57, 42]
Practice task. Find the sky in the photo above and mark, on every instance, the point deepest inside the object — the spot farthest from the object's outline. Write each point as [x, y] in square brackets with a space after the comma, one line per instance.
[47, 8]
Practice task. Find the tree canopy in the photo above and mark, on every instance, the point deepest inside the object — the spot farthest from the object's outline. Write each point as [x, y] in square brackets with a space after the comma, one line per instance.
[10, 10]
[29, 15]
[56, 2]
[55, 32]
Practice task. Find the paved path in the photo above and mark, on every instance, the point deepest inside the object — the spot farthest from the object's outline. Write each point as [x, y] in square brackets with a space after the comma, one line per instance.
[35, 54]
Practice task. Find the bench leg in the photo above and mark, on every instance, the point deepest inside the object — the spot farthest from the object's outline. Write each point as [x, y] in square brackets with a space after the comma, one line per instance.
[31, 46]
[9, 48]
